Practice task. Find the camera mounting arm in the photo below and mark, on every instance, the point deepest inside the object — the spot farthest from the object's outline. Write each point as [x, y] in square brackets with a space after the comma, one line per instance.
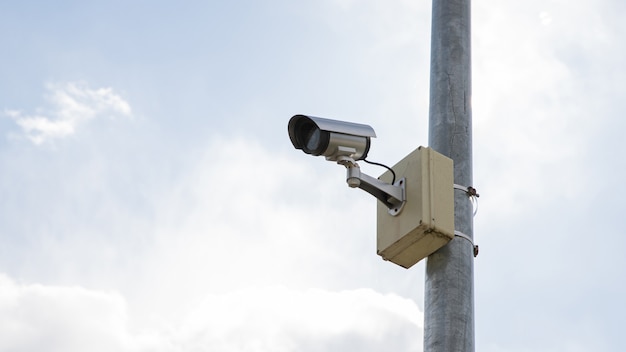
[392, 195]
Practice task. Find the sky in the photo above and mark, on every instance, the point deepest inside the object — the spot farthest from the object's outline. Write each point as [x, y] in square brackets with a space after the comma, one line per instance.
[150, 198]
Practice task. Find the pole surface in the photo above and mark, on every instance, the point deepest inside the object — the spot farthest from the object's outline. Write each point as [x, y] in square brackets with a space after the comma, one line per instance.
[449, 288]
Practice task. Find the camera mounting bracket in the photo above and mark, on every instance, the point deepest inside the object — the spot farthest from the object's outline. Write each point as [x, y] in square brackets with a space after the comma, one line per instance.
[393, 196]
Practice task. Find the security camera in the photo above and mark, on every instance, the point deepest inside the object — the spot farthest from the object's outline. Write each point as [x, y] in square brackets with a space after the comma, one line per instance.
[346, 143]
[330, 138]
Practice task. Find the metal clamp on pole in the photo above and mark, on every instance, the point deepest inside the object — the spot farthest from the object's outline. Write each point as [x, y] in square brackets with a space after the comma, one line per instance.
[472, 194]
[471, 191]
[467, 238]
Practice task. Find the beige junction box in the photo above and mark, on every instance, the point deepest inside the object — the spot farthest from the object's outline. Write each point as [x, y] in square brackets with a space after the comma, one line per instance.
[426, 222]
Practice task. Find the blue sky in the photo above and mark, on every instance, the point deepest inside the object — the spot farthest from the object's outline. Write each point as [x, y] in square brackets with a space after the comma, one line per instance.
[150, 199]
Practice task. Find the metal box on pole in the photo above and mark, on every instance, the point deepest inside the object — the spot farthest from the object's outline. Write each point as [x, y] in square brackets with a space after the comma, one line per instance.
[426, 222]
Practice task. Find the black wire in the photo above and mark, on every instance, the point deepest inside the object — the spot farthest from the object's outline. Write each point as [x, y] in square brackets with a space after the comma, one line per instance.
[386, 167]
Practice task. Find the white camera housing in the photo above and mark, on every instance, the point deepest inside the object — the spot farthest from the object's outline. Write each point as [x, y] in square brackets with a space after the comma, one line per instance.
[331, 138]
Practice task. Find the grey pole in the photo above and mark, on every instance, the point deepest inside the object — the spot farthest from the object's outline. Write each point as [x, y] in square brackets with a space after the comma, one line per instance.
[449, 289]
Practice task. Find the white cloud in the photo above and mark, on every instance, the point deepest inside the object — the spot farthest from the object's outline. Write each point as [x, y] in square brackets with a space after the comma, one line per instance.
[281, 319]
[546, 18]
[52, 318]
[36, 317]
[71, 104]
[235, 217]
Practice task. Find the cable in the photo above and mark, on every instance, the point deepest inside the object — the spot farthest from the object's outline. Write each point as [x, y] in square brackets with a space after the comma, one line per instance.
[386, 167]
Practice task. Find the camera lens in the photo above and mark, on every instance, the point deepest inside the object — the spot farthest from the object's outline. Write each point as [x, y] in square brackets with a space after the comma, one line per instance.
[313, 138]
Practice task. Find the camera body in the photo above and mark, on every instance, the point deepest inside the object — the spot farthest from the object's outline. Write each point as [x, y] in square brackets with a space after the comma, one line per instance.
[330, 138]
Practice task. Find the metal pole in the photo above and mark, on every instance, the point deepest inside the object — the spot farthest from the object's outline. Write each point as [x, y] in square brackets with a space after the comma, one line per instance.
[449, 289]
